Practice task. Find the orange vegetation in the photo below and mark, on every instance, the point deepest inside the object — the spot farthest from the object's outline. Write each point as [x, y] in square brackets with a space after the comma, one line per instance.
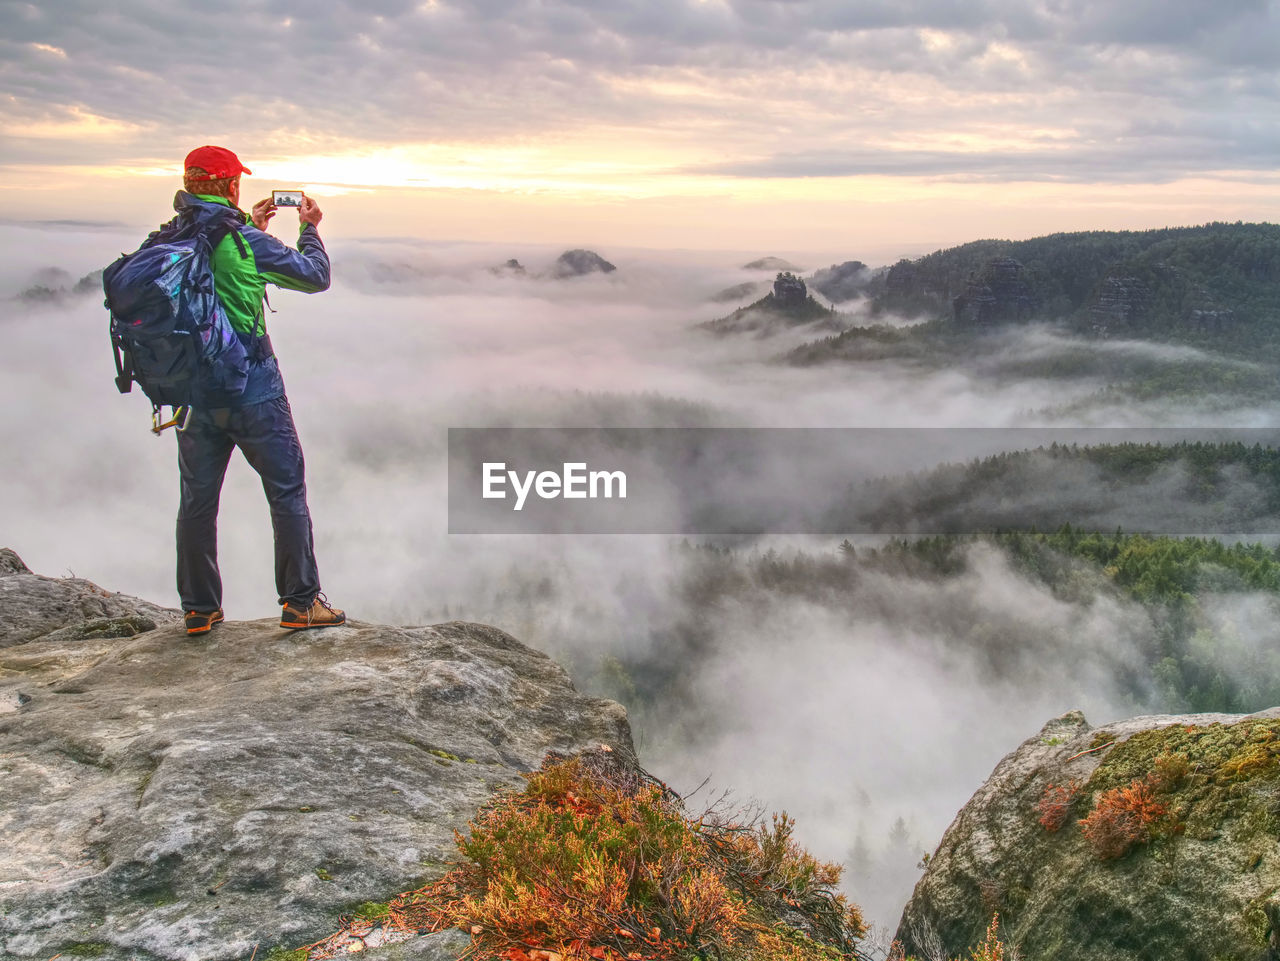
[596, 861]
[1123, 817]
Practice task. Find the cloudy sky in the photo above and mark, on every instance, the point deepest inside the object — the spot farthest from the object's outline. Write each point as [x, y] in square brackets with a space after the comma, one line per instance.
[783, 125]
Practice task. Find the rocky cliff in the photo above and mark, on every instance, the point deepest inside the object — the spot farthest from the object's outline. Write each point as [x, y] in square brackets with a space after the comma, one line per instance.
[167, 797]
[1155, 837]
[1119, 304]
[579, 263]
[997, 294]
[771, 264]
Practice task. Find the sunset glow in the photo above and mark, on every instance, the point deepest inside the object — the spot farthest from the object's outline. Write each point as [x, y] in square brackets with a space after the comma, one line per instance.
[739, 121]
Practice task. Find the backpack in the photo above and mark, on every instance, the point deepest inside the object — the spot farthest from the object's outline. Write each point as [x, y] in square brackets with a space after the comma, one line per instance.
[169, 332]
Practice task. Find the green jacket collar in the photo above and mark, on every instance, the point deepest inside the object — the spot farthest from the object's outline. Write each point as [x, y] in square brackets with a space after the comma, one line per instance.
[225, 201]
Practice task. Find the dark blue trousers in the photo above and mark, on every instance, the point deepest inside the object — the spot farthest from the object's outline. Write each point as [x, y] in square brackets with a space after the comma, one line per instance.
[266, 435]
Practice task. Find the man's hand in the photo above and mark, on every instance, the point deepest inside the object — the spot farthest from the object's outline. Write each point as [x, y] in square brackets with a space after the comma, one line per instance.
[309, 212]
[262, 212]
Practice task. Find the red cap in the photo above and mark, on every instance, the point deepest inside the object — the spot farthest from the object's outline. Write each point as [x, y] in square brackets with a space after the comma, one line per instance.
[218, 161]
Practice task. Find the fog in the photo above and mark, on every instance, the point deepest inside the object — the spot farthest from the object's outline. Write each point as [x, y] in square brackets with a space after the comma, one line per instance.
[848, 722]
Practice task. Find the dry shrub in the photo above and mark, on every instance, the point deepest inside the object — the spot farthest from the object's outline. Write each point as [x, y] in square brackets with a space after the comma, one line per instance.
[595, 861]
[1055, 804]
[1124, 817]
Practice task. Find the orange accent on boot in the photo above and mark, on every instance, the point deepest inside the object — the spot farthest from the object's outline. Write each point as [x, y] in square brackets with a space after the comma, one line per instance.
[201, 622]
[319, 614]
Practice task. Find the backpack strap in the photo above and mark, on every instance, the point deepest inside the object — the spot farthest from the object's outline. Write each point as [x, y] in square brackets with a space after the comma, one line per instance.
[124, 365]
[259, 344]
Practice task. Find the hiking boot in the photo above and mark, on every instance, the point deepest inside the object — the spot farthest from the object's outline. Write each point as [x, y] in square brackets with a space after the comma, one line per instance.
[319, 614]
[201, 622]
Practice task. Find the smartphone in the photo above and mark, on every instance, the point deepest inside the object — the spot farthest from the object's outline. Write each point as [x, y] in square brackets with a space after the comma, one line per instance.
[286, 198]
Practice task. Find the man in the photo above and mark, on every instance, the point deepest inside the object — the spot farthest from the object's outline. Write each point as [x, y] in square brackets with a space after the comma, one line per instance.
[261, 423]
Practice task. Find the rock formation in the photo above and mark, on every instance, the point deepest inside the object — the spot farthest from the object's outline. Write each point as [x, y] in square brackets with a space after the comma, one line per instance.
[1119, 304]
[771, 264]
[512, 268]
[192, 799]
[1148, 838]
[1211, 320]
[997, 294]
[789, 292]
[788, 305]
[576, 263]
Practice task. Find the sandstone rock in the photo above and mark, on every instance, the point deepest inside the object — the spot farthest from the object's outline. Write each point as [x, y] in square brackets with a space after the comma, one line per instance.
[167, 797]
[787, 306]
[789, 292]
[1119, 303]
[1203, 887]
[576, 263]
[34, 606]
[997, 294]
[512, 268]
[1211, 320]
[771, 264]
[445, 946]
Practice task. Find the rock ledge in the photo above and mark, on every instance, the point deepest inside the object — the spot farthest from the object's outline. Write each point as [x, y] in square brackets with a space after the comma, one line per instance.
[166, 797]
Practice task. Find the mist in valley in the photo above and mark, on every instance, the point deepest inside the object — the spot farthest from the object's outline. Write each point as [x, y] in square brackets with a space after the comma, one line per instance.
[869, 705]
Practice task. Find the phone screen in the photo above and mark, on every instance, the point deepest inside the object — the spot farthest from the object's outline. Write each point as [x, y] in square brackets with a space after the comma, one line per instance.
[286, 198]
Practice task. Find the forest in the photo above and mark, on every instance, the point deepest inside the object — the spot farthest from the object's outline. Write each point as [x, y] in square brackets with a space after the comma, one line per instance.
[1232, 268]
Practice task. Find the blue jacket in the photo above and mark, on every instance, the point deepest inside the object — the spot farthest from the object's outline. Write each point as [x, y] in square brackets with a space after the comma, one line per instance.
[241, 272]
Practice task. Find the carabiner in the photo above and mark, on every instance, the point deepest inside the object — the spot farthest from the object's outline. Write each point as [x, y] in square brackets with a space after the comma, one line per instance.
[181, 419]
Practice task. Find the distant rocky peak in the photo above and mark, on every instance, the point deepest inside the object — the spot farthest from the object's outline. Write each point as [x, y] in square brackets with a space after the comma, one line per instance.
[770, 263]
[512, 267]
[576, 263]
[996, 294]
[789, 291]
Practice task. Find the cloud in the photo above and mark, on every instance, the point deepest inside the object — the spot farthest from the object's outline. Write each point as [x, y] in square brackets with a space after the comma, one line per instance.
[798, 89]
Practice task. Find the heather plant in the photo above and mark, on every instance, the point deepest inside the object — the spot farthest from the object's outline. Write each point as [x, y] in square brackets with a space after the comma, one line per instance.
[1124, 817]
[593, 860]
[1055, 804]
[990, 948]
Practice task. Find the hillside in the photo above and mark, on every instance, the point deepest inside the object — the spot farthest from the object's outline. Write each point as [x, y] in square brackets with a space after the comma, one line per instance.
[1218, 283]
[1174, 488]
[788, 305]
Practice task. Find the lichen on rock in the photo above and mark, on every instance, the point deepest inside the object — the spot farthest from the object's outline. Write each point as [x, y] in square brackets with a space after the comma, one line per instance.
[1194, 802]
